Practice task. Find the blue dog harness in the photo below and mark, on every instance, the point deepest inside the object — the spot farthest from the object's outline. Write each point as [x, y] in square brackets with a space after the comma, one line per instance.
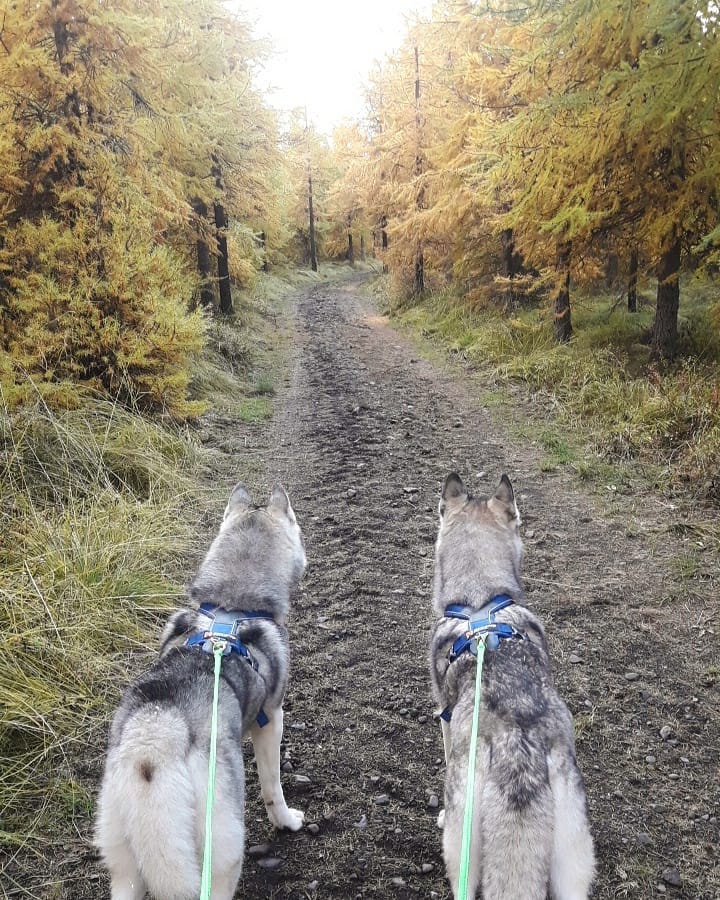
[481, 625]
[224, 628]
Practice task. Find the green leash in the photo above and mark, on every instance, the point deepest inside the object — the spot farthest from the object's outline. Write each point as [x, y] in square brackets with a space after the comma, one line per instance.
[206, 879]
[470, 791]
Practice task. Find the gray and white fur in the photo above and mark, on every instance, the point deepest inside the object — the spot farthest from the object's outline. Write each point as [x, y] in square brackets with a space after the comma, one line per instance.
[530, 830]
[151, 811]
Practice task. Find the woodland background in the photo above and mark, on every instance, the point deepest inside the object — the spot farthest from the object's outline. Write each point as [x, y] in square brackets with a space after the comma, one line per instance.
[535, 186]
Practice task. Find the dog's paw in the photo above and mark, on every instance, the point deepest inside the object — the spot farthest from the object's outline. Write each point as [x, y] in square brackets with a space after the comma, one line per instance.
[292, 819]
[441, 819]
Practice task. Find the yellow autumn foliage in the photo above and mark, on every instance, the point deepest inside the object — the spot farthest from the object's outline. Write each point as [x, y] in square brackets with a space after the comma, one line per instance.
[113, 119]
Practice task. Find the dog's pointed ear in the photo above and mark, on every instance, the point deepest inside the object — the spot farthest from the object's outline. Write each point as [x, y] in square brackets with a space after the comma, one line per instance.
[504, 499]
[279, 500]
[453, 490]
[239, 499]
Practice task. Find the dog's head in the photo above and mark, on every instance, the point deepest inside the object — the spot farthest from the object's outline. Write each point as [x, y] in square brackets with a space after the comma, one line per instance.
[478, 548]
[258, 557]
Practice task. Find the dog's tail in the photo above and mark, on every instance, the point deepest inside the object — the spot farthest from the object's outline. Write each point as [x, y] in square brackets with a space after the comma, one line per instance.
[516, 813]
[156, 799]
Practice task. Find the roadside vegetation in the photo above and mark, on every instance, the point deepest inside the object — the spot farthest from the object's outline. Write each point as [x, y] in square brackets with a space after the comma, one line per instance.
[600, 399]
[100, 520]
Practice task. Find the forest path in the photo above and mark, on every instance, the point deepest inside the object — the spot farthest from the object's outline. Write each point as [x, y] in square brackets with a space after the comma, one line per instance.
[364, 434]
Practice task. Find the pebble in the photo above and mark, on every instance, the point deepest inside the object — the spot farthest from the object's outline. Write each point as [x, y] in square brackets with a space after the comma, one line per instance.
[382, 799]
[398, 881]
[672, 877]
[644, 839]
[422, 719]
[433, 801]
[313, 886]
[301, 779]
[574, 658]
[650, 759]
[313, 828]
[361, 824]
[258, 850]
[666, 732]
[426, 868]
[351, 492]
[269, 862]
[632, 676]
[287, 766]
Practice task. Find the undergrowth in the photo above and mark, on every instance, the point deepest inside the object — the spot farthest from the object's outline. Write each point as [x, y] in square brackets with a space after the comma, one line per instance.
[91, 530]
[604, 381]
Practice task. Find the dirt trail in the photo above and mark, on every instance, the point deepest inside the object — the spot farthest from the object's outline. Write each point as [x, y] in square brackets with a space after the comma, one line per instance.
[363, 436]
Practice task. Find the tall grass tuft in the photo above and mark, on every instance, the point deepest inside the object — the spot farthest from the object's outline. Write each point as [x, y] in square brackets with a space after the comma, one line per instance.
[91, 533]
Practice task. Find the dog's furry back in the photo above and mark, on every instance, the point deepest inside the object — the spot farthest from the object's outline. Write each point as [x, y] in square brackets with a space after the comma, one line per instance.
[151, 809]
[529, 829]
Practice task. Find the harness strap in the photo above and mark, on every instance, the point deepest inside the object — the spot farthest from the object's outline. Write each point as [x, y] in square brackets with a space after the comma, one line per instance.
[482, 630]
[224, 627]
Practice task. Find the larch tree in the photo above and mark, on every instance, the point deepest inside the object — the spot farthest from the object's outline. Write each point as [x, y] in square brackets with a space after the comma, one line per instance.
[617, 141]
[114, 140]
[90, 289]
[308, 174]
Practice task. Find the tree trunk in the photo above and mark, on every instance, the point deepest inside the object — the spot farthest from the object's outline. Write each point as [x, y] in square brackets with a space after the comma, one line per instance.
[562, 326]
[632, 280]
[362, 248]
[311, 212]
[221, 224]
[350, 250]
[263, 245]
[384, 241]
[611, 270]
[207, 297]
[509, 261]
[665, 327]
[419, 281]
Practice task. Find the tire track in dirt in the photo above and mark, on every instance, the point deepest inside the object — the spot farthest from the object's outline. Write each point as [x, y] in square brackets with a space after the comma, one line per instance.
[365, 434]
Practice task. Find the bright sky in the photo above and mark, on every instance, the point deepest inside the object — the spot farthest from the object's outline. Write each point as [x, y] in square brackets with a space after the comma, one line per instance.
[325, 49]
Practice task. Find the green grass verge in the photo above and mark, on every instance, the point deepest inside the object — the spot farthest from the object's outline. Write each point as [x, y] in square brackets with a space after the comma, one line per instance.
[603, 384]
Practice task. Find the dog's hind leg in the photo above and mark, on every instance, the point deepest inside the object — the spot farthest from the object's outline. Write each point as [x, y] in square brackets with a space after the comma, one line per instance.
[452, 842]
[224, 883]
[572, 867]
[126, 882]
[266, 743]
[125, 879]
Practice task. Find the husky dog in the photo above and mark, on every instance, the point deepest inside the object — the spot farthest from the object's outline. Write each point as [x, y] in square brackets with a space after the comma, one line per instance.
[529, 828]
[151, 811]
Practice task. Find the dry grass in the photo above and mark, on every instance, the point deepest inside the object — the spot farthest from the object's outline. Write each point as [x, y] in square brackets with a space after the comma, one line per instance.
[91, 529]
[604, 383]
